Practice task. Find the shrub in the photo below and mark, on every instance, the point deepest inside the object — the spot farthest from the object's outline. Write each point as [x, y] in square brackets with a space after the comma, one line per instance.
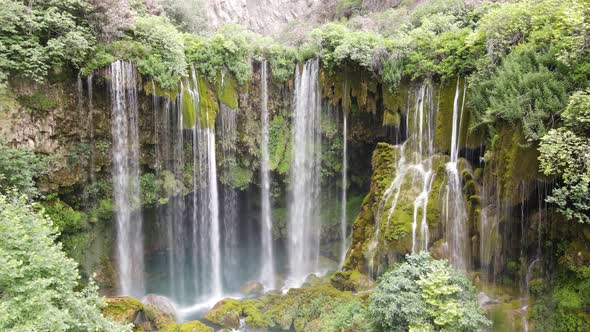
[39, 283]
[18, 169]
[426, 294]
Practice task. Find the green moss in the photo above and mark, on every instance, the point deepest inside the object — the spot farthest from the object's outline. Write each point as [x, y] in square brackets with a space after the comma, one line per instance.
[394, 105]
[514, 162]
[123, 309]
[226, 313]
[193, 326]
[208, 104]
[152, 87]
[279, 145]
[444, 118]
[228, 92]
[189, 109]
[38, 102]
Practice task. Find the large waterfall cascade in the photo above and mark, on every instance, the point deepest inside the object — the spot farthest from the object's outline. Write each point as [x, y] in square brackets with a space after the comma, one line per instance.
[304, 220]
[125, 170]
[267, 273]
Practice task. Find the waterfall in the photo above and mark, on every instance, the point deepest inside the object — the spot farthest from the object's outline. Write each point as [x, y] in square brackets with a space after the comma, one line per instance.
[90, 125]
[418, 167]
[267, 273]
[414, 172]
[344, 184]
[79, 96]
[206, 238]
[455, 214]
[304, 190]
[125, 170]
[228, 135]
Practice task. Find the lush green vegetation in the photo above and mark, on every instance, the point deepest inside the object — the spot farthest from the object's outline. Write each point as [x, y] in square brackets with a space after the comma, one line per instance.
[424, 294]
[18, 170]
[40, 285]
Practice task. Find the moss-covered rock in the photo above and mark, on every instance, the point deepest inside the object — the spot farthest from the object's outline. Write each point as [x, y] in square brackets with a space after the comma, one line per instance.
[193, 326]
[123, 309]
[353, 281]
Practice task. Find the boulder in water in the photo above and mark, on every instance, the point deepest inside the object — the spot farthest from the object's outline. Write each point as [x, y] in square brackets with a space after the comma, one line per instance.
[161, 304]
[123, 310]
[484, 299]
[252, 288]
[225, 313]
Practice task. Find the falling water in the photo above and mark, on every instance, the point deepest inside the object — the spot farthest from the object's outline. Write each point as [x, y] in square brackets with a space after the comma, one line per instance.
[418, 165]
[228, 135]
[90, 125]
[126, 178]
[454, 207]
[344, 185]
[206, 238]
[304, 221]
[80, 96]
[267, 273]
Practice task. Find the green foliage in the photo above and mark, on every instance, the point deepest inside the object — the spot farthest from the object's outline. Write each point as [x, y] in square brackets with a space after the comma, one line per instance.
[341, 47]
[18, 169]
[165, 61]
[38, 36]
[279, 145]
[522, 91]
[39, 283]
[282, 62]
[37, 102]
[65, 219]
[229, 48]
[423, 294]
[347, 316]
[567, 155]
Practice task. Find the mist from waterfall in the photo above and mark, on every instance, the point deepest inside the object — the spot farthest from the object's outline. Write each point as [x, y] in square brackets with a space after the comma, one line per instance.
[304, 190]
[125, 168]
[454, 211]
[267, 272]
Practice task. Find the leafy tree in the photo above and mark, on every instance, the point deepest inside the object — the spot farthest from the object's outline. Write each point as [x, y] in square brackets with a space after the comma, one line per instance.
[565, 152]
[39, 283]
[18, 169]
[521, 91]
[165, 59]
[350, 316]
[36, 36]
[230, 48]
[424, 294]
